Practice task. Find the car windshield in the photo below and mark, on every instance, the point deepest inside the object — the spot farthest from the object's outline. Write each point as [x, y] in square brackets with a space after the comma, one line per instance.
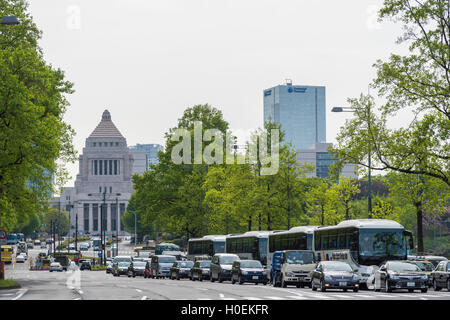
[205, 264]
[167, 259]
[295, 257]
[251, 264]
[424, 266]
[186, 264]
[122, 259]
[139, 264]
[402, 266]
[124, 264]
[337, 266]
[228, 259]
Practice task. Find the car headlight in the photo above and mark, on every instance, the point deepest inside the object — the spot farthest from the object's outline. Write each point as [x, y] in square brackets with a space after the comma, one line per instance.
[289, 274]
[424, 277]
[244, 272]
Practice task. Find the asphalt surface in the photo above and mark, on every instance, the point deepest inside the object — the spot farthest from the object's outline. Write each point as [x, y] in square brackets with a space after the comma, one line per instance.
[98, 285]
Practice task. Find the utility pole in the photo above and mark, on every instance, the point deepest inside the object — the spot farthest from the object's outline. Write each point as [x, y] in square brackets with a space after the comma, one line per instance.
[70, 229]
[117, 226]
[76, 231]
[102, 232]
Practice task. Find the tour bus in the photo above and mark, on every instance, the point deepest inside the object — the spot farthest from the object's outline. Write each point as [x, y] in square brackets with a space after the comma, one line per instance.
[296, 238]
[12, 238]
[165, 246]
[96, 244]
[20, 237]
[7, 253]
[206, 246]
[251, 245]
[365, 244]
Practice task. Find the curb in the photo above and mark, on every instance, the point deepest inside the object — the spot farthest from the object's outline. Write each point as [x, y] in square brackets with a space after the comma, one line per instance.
[11, 287]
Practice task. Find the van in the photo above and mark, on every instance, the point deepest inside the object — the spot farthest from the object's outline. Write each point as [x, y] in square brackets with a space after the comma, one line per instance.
[221, 264]
[160, 265]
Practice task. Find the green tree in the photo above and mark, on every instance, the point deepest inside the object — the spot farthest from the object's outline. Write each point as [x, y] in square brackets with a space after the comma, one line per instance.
[318, 202]
[128, 220]
[60, 219]
[33, 133]
[419, 83]
[343, 194]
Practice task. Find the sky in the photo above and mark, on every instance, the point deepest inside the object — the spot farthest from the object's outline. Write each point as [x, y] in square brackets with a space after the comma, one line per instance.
[146, 61]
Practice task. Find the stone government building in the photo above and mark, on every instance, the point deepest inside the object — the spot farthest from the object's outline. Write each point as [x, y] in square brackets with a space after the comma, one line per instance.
[105, 169]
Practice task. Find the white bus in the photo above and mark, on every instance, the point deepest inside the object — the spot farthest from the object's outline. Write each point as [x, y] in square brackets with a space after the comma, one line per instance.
[251, 245]
[364, 244]
[296, 238]
[206, 246]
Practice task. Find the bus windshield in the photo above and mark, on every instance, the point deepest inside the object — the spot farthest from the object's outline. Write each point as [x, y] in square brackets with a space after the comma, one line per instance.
[296, 257]
[381, 244]
[219, 246]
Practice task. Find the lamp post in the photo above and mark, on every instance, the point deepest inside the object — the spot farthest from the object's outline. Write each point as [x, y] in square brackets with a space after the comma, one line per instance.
[369, 187]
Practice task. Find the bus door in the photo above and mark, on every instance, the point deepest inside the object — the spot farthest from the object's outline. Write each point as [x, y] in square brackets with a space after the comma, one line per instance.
[409, 242]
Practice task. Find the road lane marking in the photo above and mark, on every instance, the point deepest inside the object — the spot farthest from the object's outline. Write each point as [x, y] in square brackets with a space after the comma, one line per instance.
[364, 296]
[23, 291]
[221, 295]
[144, 298]
[274, 298]
[138, 290]
[251, 298]
[296, 297]
[341, 296]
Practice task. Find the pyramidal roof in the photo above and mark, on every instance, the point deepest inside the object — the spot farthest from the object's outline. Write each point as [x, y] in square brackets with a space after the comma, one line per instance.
[106, 128]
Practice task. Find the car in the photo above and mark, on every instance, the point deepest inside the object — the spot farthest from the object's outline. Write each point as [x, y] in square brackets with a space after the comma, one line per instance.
[441, 276]
[433, 259]
[83, 247]
[43, 245]
[37, 242]
[427, 267]
[30, 245]
[200, 270]
[85, 264]
[138, 259]
[136, 268]
[122, 259]
[181, 269]
[248, 271]
[334, 275]
[48, 241]
[109, 266]
[160, 265]
[292, 267]
[120, 268]
[56, 266]
[398, 274]
[42, 255]
[221, 266]
[20, 258]
[71, 246]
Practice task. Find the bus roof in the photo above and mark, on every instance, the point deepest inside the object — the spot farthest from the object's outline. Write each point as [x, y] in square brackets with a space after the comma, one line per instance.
[257, 234]
[366, 223]
[167, 244]
[209, 237]
[299, 229]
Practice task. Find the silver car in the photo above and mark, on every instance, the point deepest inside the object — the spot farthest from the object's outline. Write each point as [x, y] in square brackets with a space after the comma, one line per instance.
[56, 266]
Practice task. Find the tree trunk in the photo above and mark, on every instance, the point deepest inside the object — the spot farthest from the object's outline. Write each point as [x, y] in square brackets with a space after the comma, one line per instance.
[289, 217]
[322, 218]
[419, 228]
[347, 216]
[250, 224]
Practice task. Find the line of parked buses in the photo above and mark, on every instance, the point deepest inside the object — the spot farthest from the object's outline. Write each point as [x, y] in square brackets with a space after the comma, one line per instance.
[370, 253]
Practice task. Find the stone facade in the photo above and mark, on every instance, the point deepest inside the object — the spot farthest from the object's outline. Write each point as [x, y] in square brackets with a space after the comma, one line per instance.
[104, 180]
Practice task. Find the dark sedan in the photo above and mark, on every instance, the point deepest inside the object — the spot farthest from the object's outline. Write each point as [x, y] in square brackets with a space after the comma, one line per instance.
[120, 268]
[248, 271]
[181, 269]
[136, 268]
[334, 275]
[400, 275]
[441, 276]
[200, 270]
[85, 264]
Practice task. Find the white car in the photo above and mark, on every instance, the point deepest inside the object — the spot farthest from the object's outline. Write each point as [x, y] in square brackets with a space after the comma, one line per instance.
[20, 258]
[56, 266]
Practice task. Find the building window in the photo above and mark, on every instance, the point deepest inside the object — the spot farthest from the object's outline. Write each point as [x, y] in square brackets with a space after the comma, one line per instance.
[106, 166]
[117, 144]
[110, 189]
[115, 167]
[113, 217]
[94, 144]
[100, 162]
[100, 189]
[86, 217]
[95, 167]
[122, 210]
[95, 216]
[111, 144]
[110, 167]
[99, 144]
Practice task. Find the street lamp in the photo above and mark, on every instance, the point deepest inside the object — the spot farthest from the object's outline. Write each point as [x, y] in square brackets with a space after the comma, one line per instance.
[369, 187]
[9, 20]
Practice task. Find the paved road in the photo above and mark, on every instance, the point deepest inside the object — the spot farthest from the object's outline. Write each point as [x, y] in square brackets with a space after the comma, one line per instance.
[97, 285]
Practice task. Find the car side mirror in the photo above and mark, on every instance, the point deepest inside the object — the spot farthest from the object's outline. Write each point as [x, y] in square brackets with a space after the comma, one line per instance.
[383, 269]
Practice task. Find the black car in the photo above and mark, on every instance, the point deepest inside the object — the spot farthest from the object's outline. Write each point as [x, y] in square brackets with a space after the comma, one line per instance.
[334, 275]
[120, 268]
[136, 268]
[441, 276]
[248, 271]
[400, 275]
[181, 269]
[85, 264]
[200, 270]
[221, 266]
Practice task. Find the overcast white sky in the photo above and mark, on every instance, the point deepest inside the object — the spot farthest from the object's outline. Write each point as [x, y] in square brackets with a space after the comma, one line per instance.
[148, 60]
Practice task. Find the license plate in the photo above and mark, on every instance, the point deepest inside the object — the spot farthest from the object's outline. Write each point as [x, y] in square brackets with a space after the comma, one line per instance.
[410, 284]
[255, 277]
[342, 284]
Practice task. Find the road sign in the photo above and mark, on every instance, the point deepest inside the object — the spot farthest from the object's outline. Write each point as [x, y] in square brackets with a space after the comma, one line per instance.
[99, 254]
[2, 234]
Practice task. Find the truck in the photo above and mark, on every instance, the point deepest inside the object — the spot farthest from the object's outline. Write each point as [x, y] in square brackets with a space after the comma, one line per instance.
[292, 267]
[63, 260]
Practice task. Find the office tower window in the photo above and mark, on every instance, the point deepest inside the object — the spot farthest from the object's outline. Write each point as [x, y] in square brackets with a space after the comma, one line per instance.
[95, 216]
[86, 216]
